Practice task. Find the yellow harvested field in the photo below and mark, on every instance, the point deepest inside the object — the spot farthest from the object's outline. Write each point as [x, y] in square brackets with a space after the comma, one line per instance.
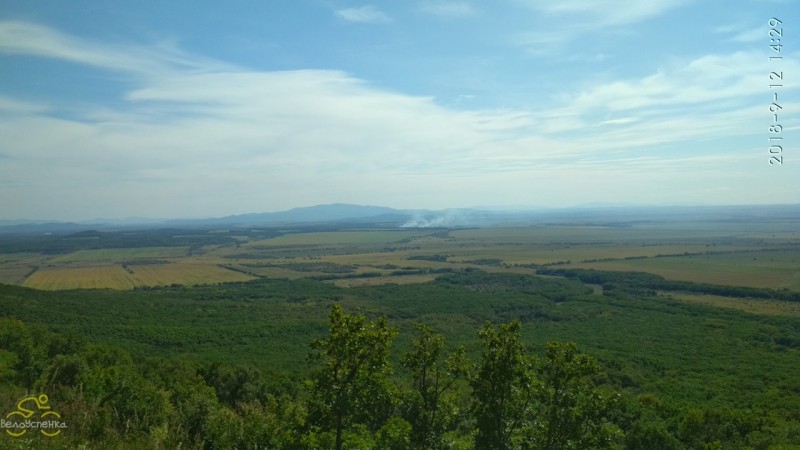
[116, 277]
[374, 281]
[184, 273]
[102, 277]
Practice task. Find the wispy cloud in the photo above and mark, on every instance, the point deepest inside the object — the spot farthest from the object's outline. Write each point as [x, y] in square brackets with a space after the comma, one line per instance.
[738, 33]
[602, 12]
[541, 42]
[363, 14]
[561, 22]
[37, 40]
[709, 80]
[9, 105]
[714, 98]
[449, 9]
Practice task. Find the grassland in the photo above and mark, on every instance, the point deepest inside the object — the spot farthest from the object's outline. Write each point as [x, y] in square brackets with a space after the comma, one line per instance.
[16, 267]
[749, 305]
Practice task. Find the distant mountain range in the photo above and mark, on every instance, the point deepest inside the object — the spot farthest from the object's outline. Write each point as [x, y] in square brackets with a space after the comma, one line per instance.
[342, 215]
[336, 212]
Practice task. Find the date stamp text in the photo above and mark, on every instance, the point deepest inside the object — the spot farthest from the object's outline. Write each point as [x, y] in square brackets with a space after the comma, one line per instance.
[776, 79]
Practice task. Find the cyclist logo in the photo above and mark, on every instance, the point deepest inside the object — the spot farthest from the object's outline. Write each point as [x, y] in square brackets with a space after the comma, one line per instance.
[17, 423]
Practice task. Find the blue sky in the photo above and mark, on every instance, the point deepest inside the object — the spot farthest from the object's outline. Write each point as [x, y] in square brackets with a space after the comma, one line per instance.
[200, 108]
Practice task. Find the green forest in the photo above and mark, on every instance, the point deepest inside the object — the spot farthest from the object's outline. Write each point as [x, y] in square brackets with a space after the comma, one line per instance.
[470, 360]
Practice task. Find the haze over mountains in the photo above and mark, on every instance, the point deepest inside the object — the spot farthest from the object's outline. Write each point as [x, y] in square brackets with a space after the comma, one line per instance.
[341, 215]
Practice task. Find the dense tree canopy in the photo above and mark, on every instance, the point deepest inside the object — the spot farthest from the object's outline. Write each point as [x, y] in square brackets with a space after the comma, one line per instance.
[398, 373]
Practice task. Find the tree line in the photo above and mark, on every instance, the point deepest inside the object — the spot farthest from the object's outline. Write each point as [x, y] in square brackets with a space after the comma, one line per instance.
[644, 280]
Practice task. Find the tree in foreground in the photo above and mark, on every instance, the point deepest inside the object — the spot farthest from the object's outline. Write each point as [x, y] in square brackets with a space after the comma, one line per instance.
[427, 407]
[352, 386]
[571, 411]
[551, 405]
[503, 387]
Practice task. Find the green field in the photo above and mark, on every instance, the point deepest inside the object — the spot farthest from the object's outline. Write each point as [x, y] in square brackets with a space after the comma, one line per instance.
[117, 255]
[768, 269]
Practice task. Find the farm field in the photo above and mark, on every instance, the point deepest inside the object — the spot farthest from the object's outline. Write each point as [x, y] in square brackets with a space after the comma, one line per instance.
[758, 255]
[119, 254]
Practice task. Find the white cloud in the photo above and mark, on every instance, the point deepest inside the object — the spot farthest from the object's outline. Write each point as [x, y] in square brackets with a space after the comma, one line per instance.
[244, 135]
[198, 132]
[363, 14]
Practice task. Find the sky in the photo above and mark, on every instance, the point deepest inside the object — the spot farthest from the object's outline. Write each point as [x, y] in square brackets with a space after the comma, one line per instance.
[198, 108]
